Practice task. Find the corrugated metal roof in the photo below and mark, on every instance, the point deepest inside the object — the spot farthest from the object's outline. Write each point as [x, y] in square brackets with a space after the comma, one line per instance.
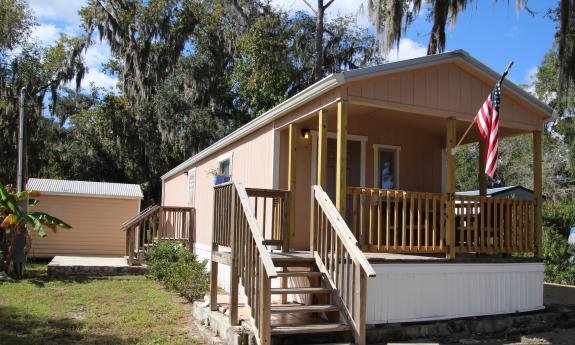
[86, 188]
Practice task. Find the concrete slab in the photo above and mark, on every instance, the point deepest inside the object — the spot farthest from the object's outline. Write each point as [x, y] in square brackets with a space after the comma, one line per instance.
[90, 265]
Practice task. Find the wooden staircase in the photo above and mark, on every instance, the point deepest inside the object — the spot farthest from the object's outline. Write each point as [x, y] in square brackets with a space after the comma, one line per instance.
[321, 315]
[249, 225]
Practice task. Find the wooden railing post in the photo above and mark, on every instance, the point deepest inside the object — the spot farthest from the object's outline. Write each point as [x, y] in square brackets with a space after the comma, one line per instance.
[234, 281]
[537, 190]
[265, 308]
[341, 160]
[214, 263]
[293, 130]
[451, 133]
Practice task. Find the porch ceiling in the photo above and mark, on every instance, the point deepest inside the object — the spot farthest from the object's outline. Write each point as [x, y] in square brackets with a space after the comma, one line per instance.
[372, 116]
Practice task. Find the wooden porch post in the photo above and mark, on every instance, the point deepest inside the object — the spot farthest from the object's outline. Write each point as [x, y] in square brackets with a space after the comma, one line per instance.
[293, 130]
[537, 188]
[234, 279]
[341, 161]
[214, 280]
[450, 184]
[322, 149]
[481, 175]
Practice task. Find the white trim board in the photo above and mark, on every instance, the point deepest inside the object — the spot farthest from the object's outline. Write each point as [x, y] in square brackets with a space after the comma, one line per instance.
[332, 135]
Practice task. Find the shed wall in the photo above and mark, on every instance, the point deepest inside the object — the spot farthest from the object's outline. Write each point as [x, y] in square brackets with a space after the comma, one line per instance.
[95, 226]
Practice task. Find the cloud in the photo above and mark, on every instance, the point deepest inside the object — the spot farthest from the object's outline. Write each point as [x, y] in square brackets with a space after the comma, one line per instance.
[408, 49]
[99, 79]
[46, 34]
[59, 11]
[531, 79]
[339, 7]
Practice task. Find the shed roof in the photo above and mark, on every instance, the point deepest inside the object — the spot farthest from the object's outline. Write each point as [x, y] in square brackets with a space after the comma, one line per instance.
[337, 79]
[86, 188]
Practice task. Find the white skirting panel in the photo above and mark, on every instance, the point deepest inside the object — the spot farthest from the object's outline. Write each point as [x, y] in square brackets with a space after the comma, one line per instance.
[427, 291]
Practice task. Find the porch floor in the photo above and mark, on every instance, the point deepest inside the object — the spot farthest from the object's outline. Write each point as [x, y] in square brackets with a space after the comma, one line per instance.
[301, 255]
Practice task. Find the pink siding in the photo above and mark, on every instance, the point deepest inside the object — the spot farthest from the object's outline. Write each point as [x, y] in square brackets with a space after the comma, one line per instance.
[176, 190]
[95, 226]
[444, 90]
[252, 165]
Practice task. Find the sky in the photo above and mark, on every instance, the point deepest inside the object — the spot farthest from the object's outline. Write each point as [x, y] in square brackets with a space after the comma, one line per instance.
[492, 33]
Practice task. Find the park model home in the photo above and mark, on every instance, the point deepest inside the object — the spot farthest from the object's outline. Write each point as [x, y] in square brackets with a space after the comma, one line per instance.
[343, 198]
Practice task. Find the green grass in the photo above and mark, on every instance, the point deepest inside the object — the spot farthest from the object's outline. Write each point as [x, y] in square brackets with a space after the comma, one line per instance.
[106, 310]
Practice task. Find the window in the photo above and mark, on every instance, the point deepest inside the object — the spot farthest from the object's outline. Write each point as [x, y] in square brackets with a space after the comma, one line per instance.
[225, 164]
[386, 166]
[225, 167]
[192, 187]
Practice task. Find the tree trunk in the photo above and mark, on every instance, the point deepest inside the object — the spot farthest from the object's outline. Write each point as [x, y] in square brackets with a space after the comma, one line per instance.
[318, 70]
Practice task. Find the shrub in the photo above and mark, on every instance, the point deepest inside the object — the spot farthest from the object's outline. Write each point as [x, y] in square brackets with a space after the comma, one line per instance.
[558, 257]
[178, 269]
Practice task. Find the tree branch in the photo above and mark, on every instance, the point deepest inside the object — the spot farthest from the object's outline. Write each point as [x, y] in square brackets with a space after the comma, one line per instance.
[328, 4]
[310, 6]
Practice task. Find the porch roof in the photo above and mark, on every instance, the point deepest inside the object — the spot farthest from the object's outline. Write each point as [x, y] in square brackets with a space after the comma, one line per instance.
[338, 79]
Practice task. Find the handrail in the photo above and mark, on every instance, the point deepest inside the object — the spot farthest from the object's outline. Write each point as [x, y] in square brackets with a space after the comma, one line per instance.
[139, 216]
[235, 226]
[256, 232]
[158, 223]
[338, 256]
[343, 230]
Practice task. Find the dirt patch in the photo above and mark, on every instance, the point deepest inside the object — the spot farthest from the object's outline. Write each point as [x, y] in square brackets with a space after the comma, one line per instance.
[558, 294]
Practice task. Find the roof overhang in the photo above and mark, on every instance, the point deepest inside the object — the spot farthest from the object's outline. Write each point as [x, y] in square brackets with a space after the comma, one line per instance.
[335, 80]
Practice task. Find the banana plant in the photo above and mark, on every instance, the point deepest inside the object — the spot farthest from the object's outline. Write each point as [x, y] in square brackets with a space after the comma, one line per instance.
[13, 216]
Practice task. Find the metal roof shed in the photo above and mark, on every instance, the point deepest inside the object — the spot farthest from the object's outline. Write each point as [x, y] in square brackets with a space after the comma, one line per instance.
[94, 209]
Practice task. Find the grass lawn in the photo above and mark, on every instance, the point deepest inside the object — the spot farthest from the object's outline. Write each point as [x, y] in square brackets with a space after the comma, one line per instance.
[107, 310]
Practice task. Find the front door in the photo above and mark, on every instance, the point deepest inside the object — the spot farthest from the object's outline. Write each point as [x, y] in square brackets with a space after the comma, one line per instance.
[353, 167]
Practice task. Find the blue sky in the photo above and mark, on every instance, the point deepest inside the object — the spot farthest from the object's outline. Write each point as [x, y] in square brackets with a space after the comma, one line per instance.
[494, 34]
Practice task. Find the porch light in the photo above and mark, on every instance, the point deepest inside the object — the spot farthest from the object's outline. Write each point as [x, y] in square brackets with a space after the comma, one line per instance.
[306, 133]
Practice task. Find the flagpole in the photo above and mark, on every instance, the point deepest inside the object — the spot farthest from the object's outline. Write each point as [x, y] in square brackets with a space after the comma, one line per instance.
[475, 118]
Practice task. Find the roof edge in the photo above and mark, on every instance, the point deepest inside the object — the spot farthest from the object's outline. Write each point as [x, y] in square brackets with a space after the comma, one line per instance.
[337, 79]
[98, 196]
[326, 84]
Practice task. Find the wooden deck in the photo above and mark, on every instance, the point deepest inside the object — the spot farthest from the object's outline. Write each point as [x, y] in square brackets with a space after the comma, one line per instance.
[391, 258]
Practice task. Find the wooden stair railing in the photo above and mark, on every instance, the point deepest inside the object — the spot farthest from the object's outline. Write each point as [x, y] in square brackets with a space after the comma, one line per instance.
[158, 223]
[338, 256]
[235, 226]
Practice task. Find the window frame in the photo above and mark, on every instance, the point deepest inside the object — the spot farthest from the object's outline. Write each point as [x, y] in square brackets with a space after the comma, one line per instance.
[228, 156]
[192, 188]
[377, 148]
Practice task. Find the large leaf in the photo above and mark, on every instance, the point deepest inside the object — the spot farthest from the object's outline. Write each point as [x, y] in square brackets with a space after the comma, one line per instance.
[36, 225]
[47, 219]
[9, 220]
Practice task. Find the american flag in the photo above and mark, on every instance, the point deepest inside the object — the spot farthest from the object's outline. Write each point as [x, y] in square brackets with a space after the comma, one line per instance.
[488, 123]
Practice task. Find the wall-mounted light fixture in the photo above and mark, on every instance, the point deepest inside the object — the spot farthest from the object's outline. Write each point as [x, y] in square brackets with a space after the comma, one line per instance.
[306, 133]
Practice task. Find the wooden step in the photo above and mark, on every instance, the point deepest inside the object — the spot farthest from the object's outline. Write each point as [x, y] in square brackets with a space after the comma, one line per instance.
[300, 308]
[299, 274]
[299, 290]
[293, 258]
[310, 328]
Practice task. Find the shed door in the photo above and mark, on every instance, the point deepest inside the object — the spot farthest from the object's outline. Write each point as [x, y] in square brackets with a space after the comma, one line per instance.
[353, 165]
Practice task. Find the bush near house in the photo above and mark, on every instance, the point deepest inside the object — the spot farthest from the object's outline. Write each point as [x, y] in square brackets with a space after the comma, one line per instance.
[558, 255]
[179, 269]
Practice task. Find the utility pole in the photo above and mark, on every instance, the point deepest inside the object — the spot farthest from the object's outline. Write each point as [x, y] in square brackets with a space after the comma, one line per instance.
[20, 240]
[21, 145]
